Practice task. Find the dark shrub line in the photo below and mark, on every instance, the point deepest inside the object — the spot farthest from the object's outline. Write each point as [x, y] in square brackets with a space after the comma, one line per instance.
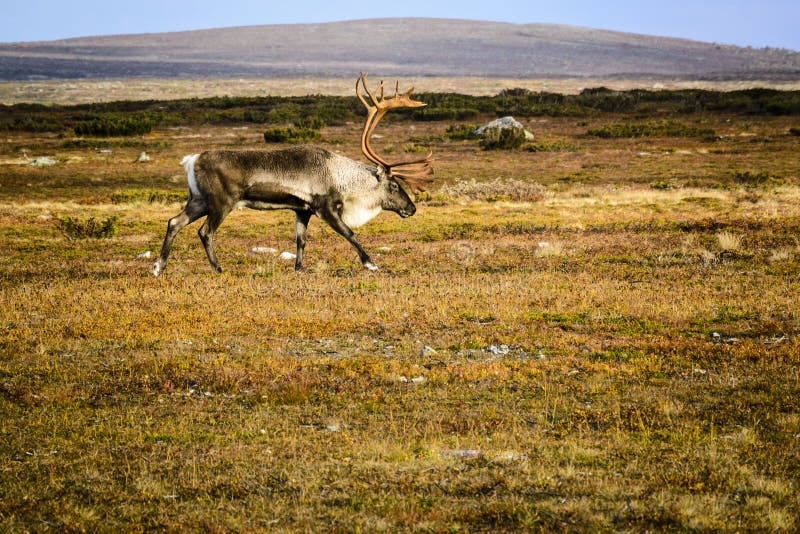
[132, 117]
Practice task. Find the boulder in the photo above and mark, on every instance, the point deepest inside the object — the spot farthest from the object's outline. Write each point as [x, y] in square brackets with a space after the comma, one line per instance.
[43, 161]
[502, 124]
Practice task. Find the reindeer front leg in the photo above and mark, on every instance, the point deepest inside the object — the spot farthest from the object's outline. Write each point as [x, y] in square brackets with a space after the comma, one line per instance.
[301, 219]
[331, 213]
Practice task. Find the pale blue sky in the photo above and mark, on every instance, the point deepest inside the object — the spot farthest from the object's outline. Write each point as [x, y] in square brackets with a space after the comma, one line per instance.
[746, 23]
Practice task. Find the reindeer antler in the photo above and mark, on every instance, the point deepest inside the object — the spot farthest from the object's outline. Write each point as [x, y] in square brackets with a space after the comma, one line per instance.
[417, 172]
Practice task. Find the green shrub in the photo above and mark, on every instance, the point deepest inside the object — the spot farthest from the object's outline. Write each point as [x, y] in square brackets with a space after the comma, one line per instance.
[291, 135]
[665, 128]
[91, 227]
[146, 195]
[443, 114]
[756, 179]
[457, 132]
[502, 138]
[551, 146]
[33, 124]
[310, 122]
[95, 144]
[114, 125]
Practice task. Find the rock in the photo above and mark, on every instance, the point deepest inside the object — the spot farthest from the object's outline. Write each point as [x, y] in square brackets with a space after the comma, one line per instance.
[144, 255]
[426, 350]
[44, 161]
[510, 456]
[464, 454]
[287, 256]
[502, 350]
[142, 157]
[502, 124]
[263, 250]
[416, 380]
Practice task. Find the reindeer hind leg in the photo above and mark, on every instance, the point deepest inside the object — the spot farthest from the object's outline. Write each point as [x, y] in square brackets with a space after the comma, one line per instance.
[207, 231]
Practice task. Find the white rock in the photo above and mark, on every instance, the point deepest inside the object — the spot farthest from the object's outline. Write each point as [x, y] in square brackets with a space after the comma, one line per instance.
[503, 124]
[142, 157]
[144, 255]
[511, 456]
[464, 454]
[263, 250]
[426, 350]
[419, 380]
[44, 161]
[502, 350]
[287, 256]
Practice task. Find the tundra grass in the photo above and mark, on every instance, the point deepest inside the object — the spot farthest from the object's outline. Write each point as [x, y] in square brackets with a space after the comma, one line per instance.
[594, 359]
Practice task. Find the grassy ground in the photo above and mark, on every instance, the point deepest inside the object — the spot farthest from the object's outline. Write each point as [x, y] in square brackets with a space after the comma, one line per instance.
[109, 90]
[617, 353]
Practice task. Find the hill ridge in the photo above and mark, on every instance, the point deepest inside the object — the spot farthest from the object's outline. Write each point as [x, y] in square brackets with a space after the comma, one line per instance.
[393, 47]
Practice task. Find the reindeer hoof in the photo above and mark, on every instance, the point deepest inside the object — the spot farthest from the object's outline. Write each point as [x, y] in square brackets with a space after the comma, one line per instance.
[371, 266]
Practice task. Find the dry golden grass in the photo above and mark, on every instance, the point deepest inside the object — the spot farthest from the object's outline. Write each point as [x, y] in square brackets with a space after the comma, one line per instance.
[729, 241]
[109, 90]
[622, 381]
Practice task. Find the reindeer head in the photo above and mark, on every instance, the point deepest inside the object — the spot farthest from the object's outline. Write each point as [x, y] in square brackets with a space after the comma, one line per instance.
[394, 197]
[414, 173]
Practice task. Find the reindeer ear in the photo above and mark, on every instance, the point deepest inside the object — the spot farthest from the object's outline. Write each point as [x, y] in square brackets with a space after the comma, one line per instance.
[381, 173]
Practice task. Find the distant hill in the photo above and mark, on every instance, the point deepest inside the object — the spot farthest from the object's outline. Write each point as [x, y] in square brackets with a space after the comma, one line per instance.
[393, 47]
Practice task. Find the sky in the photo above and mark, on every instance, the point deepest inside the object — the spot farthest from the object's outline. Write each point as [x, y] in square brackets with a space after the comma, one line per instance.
[758, 23]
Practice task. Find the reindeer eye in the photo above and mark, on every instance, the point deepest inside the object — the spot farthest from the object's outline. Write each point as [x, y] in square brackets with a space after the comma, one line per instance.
[393, 186]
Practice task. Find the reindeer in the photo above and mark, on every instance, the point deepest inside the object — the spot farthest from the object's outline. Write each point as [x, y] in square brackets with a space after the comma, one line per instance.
[308, 180]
